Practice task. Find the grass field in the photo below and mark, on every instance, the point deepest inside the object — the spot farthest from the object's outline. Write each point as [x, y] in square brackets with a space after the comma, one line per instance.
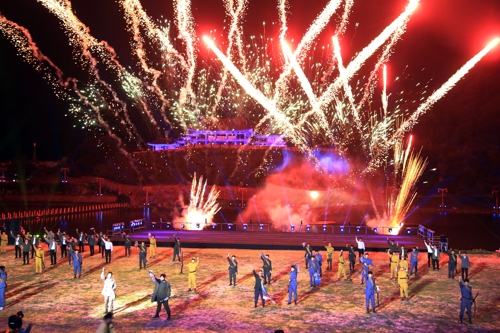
[55, 302]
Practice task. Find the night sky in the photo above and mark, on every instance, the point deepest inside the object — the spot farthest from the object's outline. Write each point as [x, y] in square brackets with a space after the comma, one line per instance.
[441, 36]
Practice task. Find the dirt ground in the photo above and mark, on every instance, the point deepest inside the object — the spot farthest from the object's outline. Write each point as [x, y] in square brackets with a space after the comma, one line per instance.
[55, 302]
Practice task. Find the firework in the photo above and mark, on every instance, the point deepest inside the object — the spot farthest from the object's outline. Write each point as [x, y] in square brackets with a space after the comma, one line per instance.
[179, 87]
[199, 212]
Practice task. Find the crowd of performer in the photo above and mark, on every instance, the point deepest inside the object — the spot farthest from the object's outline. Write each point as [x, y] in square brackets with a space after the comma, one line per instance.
[62, 245]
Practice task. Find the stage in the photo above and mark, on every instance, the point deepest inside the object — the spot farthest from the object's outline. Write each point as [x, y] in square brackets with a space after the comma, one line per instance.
[268, 240]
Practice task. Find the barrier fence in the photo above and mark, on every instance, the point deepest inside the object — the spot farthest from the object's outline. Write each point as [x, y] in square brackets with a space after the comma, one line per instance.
[256, 227]
[39, 213]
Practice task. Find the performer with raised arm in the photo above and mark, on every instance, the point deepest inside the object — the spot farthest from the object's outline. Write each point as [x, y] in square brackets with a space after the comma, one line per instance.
[108, 290]
[35, 242]
[177, 248]
[465, 264]
[308, 253]
[108, 246]
[258, 288]
[329, 255]
[292, 285]
[233, 269]
[52, 249]
[81, 240]
[17, 244]
[361, 247]
[429, 253]
[192, 267]
[63, 243]
[77, 263]
[314, 278]
[128, 244]
[466, 300]
[267, 267]
[161, 294]
[365, 269]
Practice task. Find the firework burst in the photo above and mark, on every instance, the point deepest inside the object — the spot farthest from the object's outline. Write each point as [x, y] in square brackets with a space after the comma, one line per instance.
[200, 212]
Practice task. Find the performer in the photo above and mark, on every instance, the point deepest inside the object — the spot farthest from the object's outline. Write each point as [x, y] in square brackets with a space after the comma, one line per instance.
[313, 271]
[370, 289]
[100, 243]
[329, 255]
[152, 246]
[365, 269]
[452, 263]
[341, 266]
[267, 267]
[35, 241]
[308, 254]
[435, 257]
[414, 261]
[63, 242]
[393, 247]
[81, 241]
[161, 294]
[394, 258]
[361, 247]
[3, 286]
[49, 234]
[319, 261]
[177, 248]
[402, 252]
[4, 239]
[92, 242]
[142, 256]
[77, 263]
[39, 256]
[108, 291]
[71, 247]
[429, 253]
[17, 244]
[192, 266]
[28, 237]
[108, 245]
[403, 262]
[52, 249]
[465, 264]
[403, 283]
[466, 299]
[26, 246]
[233, 269]
[292, 285]
[352, 257]
[258, 288]
[128, 244]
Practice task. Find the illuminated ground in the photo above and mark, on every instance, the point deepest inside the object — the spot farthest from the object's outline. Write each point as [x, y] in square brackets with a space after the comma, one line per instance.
[55, 302]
